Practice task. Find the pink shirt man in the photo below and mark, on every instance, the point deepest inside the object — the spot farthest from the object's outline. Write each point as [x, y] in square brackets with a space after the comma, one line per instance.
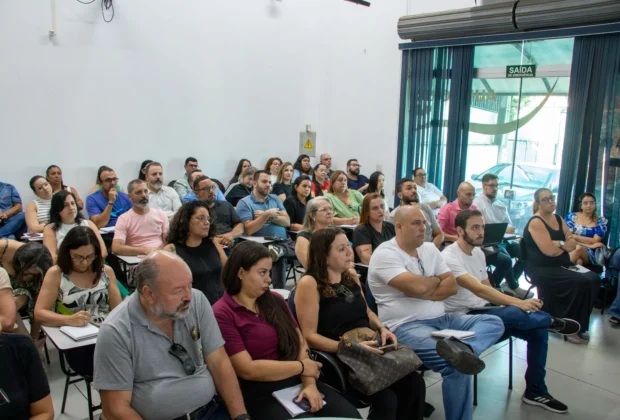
[142, 230]
[448, 213]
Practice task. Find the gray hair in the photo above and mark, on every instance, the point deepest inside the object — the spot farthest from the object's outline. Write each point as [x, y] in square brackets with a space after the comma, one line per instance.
[132, 183]
[146, 274]
[312, 207]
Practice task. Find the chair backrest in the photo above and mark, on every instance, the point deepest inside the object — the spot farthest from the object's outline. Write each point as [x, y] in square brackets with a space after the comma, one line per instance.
[171, 183]
[219, 184]
[370, 299]
[523, 250]
[291, 302]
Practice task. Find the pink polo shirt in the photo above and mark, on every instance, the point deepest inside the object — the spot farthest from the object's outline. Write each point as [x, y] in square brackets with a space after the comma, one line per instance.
[142, 229]
[447, 214]
[243, 330]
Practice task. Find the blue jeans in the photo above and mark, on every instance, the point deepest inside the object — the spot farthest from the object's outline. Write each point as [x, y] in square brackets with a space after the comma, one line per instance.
[614, 310]
[456, 386]
[15, 226]
[533, 329]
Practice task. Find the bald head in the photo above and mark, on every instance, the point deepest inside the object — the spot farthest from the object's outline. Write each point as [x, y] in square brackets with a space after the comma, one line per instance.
[326, 160]
[159, 266]
[410, 225]
[465, 194]
[406, 213]
[465, 186]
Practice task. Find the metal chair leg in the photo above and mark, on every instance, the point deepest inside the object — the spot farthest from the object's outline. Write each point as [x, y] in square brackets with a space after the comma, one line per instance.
[475, 390]
[64, 395]
[604, 298]
[47, 354]
[510, 363]
[90, 399]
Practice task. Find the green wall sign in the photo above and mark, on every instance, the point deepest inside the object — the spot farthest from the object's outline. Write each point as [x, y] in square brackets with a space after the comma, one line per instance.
[520, 71]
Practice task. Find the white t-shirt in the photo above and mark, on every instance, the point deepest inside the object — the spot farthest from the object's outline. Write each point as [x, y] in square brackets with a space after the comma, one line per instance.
[460, 263]
[389, 261]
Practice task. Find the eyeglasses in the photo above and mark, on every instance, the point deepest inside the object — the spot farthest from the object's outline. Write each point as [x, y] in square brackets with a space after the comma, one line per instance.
[82, 258]
[206, 189]
[343, 291]
[494, 186]
[183, 356]
[201, 219]
[546, 200]
[110, 180]
[421, 175]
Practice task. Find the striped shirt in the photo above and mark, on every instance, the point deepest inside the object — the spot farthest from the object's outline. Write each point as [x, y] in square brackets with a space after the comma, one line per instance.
[43, 210]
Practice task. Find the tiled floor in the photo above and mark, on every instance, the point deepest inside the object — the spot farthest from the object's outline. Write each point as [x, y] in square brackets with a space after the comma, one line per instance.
[585, 377]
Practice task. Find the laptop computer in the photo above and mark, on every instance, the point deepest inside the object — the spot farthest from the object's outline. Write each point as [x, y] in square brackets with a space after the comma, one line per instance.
[494, 233]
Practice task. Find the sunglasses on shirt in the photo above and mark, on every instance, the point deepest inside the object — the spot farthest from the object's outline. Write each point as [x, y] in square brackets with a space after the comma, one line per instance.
[343, 291]
[183, 356]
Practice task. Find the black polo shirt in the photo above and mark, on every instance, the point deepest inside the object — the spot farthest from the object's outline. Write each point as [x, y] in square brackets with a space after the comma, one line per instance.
[225, 216]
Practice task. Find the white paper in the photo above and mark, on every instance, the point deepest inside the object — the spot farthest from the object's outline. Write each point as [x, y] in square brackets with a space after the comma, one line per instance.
[80, 333]
[285, 397]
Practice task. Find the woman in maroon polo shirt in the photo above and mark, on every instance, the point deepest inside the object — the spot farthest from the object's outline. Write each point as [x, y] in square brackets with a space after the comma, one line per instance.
[264, 343]
[329, 302]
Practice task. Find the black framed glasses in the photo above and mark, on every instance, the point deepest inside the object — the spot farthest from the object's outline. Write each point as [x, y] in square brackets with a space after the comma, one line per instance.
[546, 200]
[342, 291]
[183, 356]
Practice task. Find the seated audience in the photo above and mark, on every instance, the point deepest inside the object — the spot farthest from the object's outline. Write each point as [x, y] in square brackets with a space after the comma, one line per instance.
[7, 303]
[24, 390]
[142, 229]
[588, 230]
[319, 215]
[64, 216]
[372, 230]
[12, 218]
[355, 181]
[302, 167]
[79, 289]
[330, 292]
[495, 211]
[241, 166]
[183, 185]
[326, 160]
[376, 182]
[38, 210]
[347, 203]
[192, 237]
[410, 281]
[408, 195]
[191, 196]
[243, 188]
[264, 343]
[228, 226]
[161, 196]
[166, 325]
[273, 167]
[548, 241]
[523, 319]
[142, 171]
[320, 182]
[283, 187]
[465, 195]
[429, 193]
[26, 265]
[295, 205]
[53, 175]
[614, 270]
[98, 183]
[263, 214]
[106, 205]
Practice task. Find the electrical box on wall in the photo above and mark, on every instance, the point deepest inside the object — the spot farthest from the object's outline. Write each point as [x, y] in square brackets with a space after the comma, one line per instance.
[307, 142]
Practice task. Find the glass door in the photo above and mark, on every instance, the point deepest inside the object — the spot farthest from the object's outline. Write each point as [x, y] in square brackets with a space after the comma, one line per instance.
[517, 125]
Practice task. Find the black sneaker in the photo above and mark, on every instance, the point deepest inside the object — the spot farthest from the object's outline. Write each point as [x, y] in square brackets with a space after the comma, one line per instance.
[564, 326]
[460, 356]
[546, 401]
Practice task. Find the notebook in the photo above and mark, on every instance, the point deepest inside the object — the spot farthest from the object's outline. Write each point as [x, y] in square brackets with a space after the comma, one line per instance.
[286, 396]
[80, 333]
[453, 333]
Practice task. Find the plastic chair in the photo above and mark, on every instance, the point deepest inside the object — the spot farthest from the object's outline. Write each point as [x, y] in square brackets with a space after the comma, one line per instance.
[171, 183]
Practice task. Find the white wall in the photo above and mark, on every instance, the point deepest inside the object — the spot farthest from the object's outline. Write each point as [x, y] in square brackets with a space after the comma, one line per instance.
[217, 79]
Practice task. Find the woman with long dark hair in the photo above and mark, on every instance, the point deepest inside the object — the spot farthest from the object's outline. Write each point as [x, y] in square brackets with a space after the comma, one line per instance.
[376, 183]
[241, 166]
[372, 230]
[330, 292]
[192, 237]
[54, 177]
[549, 242]
[588, 229]
[38, 210]
[320, 183]
[283, 186]
[64, 216]
[142, 171]
[302, 167]
[78, 290]
[264, 343]
[295, 205]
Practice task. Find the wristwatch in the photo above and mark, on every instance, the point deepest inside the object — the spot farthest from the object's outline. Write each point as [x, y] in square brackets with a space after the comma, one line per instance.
[561, 244]
[243, 417]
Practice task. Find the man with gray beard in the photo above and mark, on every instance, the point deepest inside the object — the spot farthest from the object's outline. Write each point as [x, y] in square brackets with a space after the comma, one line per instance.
[161, 197]
[142, 229]
[160, 353]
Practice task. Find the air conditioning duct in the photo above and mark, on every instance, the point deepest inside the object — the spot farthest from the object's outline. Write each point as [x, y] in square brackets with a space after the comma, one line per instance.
[508, 17]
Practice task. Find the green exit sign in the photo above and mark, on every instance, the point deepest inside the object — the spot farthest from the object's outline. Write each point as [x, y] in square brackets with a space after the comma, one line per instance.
[520, 71]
